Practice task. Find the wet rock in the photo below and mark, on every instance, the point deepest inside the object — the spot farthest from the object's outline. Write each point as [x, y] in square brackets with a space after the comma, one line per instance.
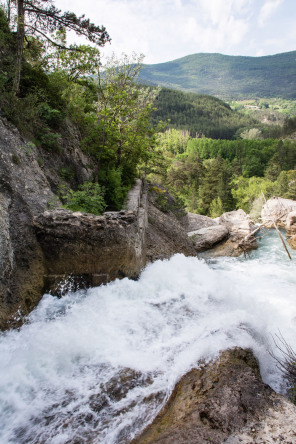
[277, 208]
[207, 237]
[225, 401]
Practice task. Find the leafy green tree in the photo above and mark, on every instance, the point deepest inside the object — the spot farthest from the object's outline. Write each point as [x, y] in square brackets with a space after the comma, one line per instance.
[41, 17]
[124, 110]
[89, 198]
[216, 207]
[251, 134]
[76, 61]
[246, 190]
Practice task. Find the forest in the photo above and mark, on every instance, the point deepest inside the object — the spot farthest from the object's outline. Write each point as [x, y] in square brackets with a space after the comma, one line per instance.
[213, 176]
[211, 157]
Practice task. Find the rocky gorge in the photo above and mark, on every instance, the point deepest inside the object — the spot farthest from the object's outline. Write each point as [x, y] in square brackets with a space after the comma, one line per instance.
[41, 245]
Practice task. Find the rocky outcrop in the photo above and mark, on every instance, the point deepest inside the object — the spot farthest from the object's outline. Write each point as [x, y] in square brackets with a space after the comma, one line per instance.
[207, 237]
[41, 247]
[38, 246]
[277, 209]
[194, 222]
[166, 232]
[95, 249]
[237, 222]
[24, 192]
[225, 401]
[223, 236]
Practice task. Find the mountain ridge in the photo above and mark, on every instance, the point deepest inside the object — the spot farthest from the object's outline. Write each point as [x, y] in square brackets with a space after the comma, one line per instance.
[227, 76]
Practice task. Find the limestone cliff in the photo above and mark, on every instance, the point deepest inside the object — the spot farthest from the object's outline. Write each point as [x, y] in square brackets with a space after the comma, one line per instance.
[42, 244]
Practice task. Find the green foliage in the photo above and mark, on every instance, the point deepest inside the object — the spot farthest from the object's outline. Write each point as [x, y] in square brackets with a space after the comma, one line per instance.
[7, 49]
[88, 198]
[199, 114]
[245, 191]
[115, 190]
[66, 173]
[216, 207]
[251, 134]
[15, 159]
[50, 141]
[75, 61]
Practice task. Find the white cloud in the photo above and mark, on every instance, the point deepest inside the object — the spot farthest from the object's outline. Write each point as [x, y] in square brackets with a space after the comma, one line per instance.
[168, 29]
[267, 10]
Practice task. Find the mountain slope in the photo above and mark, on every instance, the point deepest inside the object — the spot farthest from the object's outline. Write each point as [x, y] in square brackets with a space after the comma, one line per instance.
[199, 113]
[227, 76]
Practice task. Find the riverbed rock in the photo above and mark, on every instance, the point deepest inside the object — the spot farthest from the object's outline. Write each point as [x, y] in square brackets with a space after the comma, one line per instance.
[277, 208]
[291, 221]
[196, 222]
[224, 401]
[207, 237]
[237, 222]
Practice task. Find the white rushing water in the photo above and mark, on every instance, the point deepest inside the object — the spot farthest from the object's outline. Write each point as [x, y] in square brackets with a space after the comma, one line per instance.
[95, 366]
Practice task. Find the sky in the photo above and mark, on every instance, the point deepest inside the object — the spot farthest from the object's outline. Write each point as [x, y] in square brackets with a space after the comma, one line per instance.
[165, 30]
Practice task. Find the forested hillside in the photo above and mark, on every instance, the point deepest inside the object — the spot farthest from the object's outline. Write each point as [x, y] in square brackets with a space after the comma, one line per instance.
[214, 176]
[199, 114]
[227, 76]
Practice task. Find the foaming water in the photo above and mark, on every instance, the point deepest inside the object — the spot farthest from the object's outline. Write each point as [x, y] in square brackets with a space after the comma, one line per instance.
[96, 366]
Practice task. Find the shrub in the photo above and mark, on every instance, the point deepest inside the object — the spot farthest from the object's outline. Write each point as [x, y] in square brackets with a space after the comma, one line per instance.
[89, 198]
[287, 364]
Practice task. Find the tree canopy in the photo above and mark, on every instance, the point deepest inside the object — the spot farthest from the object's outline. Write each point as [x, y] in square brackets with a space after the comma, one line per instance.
[42, 18]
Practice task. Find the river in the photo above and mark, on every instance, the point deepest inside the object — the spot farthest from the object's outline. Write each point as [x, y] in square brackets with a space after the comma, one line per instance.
[95, 366]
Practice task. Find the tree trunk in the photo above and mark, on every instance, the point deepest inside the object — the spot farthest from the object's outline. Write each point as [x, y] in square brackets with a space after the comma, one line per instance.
[119, 152]
[20, 44]
[8, 11]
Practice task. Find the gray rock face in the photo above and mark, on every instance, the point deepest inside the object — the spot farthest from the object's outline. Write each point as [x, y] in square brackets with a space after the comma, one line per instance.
[100, 248]
[166, 234]
[39, 247]
[277, 208]
[222, 236]
[291, 221]
[225, 401]
[209, 236]
[197, 221]
[237, 222]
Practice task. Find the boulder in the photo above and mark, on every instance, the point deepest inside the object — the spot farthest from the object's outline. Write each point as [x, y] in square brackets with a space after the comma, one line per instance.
[292, 242]
[197, 221]
[277, 208]
[230, 235]
[237, 222]
[209, 236]
[291, 221]
[225, 401]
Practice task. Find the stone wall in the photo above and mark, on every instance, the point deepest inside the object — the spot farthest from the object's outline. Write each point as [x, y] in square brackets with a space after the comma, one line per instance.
[94, 249]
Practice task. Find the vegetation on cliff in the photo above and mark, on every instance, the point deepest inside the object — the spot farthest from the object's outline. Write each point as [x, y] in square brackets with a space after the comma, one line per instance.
[110, 117]
[212, 157]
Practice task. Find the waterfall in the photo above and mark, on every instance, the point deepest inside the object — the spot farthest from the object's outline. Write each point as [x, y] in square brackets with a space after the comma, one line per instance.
[95, 366]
